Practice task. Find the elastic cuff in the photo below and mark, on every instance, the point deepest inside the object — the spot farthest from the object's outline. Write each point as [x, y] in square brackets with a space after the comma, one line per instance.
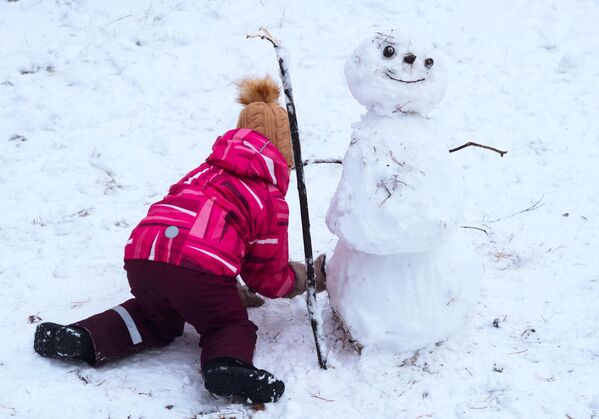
[289, 290]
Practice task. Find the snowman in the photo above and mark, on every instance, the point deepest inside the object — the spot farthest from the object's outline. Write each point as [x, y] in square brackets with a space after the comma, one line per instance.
[402, 275]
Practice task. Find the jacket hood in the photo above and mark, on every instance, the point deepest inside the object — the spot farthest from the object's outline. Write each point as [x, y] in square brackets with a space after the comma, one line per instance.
[249, 154]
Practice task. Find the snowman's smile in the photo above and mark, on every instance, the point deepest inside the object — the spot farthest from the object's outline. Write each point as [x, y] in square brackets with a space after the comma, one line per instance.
[389, 73]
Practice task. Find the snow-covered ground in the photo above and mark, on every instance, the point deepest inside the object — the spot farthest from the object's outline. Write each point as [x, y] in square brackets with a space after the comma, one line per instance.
[104, 104]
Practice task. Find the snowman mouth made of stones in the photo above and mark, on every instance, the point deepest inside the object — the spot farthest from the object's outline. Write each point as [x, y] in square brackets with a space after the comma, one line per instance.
[392, 74]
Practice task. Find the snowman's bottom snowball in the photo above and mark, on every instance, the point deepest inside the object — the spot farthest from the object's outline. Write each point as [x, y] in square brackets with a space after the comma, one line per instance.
[404, 301]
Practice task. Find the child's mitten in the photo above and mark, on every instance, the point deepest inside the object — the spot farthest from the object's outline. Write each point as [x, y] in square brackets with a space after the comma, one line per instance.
[248, 298]
[300, 285]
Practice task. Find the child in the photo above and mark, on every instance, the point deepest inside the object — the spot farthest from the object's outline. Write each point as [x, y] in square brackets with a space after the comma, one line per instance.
[224, 218]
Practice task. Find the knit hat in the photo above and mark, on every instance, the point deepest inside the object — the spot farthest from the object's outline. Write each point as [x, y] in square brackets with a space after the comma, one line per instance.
[262, 113]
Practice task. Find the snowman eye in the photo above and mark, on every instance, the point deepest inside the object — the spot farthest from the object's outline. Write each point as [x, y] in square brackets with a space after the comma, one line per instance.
[389, 51]
[428, 63]
[409, 58]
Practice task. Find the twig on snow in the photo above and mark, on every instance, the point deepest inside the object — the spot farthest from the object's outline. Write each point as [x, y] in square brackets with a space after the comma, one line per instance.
[476, 228]
[519, 352]
[395, 160]
[527, 332]
[531, 208]
[389, 194]
[76, 304]
[321, 398]
[410, 362]
[470, 143]
[82, 377]
[117, 20]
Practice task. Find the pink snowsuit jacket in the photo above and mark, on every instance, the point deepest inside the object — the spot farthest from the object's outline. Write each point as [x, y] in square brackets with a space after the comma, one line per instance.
[226, 217]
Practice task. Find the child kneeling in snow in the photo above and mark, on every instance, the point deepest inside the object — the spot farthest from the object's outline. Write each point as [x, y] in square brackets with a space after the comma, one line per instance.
[224, 218]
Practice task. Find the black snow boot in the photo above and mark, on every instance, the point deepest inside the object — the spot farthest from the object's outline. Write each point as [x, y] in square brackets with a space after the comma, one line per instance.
[57, 341]
[232, 377]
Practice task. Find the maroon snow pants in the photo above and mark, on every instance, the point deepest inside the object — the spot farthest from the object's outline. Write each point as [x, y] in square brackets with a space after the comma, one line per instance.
[167, 296]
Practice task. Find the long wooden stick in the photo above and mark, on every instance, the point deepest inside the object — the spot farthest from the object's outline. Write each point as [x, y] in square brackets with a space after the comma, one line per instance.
[315, 318]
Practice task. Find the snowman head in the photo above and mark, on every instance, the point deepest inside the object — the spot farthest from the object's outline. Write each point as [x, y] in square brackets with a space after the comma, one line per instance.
[393, 74]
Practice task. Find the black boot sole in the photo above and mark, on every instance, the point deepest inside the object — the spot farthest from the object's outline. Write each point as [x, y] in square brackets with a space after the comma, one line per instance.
[58, 341]
[258, 386]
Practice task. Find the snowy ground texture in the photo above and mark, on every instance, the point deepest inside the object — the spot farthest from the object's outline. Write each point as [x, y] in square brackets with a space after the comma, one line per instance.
[104, 104]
